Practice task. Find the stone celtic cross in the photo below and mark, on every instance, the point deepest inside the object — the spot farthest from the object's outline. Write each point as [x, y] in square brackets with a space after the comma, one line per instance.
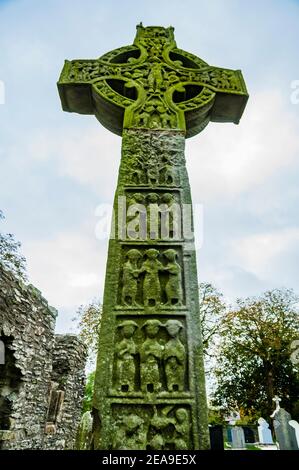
[276, 399]
[149, 386]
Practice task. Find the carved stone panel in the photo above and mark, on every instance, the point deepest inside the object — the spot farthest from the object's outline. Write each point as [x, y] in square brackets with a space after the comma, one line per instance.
[153, 215]
[150, 356]
[152, 160]
[151, 427]
[151, 277]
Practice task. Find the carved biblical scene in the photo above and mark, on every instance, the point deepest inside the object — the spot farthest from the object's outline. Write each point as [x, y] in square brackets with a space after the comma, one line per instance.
[152, 159]
[152, 278]
[155, 113]
[153, 215]
[150, 356]
[151, 427]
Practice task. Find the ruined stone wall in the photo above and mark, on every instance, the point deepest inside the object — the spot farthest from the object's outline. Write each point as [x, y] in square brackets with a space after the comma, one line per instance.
[27, 329]
[68, 381]
[38, 368]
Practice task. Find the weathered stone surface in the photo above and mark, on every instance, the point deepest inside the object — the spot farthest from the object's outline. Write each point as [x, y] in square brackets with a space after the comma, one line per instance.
[67, 387]
[35, 358]
[264, 432]
[149, 384]
[284, 432]
[238, 438]
[157, 367]
[152, 84]
[84, 433]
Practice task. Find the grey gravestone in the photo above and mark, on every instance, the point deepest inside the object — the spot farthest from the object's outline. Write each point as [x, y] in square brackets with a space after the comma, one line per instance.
[229, 433]
[249, 434]
[285, 434]
[265, 436]
[84, 433]
[238, 438]
[216, 437]
[295, 426]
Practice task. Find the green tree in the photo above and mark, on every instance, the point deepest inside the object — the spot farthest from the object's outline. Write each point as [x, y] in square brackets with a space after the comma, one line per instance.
[212, 311]
[253, 360]
[10, 256]
[89, 321]
[87, 402]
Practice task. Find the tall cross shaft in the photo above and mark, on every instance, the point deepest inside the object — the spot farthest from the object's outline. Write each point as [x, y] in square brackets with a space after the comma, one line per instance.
[149, 386]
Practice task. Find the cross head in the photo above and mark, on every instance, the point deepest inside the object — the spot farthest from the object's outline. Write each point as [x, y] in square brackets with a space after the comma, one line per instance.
[152, 84]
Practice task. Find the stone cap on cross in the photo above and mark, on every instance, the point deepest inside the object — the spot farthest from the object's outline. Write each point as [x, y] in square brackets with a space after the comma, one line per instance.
[276, 399]
[154, 85]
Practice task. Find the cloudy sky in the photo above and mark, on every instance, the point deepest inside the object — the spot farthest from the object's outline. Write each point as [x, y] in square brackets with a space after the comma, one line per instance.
[57, 168]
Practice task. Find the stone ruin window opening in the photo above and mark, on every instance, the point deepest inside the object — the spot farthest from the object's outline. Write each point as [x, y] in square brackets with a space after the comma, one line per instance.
[56, 396]
[10, 382]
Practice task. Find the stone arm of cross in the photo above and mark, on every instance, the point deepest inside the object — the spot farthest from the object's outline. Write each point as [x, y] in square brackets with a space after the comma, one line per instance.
[99, 88]
[124, 91]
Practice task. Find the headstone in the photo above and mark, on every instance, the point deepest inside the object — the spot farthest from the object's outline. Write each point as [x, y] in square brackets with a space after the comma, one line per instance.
[149, 384]
[84, 433]
[284, 432]
[295, 425]
[249, 434]
[216, 437]
[265, 435]
[238, 438]
[229, 433]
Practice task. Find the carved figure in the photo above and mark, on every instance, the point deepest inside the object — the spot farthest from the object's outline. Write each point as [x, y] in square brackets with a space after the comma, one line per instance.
[173, 286]
[136, 217]
[151, 352]
[129, 433]
[155, 77]
[169, 175]
[152, 173]
[170, 217]
[151, 284]
[182, 429]
[137, 171]
[125, 352]
[158, 424]
[130, 278]
[174, 357]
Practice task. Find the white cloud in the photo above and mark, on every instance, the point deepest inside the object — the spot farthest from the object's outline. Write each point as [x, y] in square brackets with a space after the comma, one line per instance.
[232, 279]
[226, 160]
[68, 269]
[91, 158]
[83, 280]
[258, 253]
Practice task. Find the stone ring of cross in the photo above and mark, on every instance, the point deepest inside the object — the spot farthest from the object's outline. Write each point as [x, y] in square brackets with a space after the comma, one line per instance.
[152, 84]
